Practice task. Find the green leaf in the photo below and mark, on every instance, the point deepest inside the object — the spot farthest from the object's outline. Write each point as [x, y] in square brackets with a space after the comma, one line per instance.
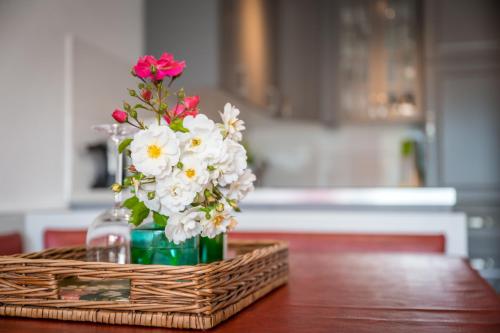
[127, 182]
[176, 125]
[140, 106]
[205, 209]
[130, 202]
[138, 213]
[124, 144]
[138, 176]
[159, 219]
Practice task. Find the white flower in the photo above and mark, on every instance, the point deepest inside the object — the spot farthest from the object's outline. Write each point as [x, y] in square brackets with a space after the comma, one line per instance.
[153, 204]
[142, 194]
[182, 226]
[174, 193]
[203, 138]
[242, 186]
[194, 171]
[216, 224]
[232, 163]
[231, 125]
[155, 150]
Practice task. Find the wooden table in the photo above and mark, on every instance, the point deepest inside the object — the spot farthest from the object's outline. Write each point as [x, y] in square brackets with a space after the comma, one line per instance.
[330, 292]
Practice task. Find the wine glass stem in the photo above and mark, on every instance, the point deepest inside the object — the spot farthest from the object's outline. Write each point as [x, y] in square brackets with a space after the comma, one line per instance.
[118, 179]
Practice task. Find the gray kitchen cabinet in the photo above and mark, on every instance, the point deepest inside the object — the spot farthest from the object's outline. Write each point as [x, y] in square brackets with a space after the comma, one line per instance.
[273, 55]
[249, 49]
[462, 61]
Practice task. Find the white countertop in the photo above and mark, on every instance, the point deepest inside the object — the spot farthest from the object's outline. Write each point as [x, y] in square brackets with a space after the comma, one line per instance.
[425, 197]
[393, 197]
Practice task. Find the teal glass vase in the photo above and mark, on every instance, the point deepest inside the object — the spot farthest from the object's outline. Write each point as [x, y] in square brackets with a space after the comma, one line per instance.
[213, 249]
[149, 246]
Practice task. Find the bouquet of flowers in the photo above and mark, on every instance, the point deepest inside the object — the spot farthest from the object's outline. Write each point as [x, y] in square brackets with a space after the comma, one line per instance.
[188, 172]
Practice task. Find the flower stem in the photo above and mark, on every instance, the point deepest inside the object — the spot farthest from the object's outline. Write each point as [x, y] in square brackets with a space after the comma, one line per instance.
[171, 81]
[140, 125]
[118, 180]
[147, 103]
[159, 88]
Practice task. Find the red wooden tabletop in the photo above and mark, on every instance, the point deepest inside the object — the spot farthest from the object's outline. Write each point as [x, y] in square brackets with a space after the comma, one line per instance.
[342, 292]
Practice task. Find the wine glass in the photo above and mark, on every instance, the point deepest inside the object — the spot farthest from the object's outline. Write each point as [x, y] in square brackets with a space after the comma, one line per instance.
[108, 237]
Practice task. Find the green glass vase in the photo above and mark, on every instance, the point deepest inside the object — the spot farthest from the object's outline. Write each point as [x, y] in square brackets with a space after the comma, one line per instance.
[149, 246]
[213, 249]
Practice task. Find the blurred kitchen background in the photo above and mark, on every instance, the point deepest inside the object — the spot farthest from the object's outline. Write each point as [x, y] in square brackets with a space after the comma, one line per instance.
[368, 117]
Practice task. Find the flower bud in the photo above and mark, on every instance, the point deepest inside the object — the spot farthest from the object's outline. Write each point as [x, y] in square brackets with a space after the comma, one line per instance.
[219, 207]
[217, 193]
[146, 94]
[208, 196]
[132, 168]
[181, 94]
[133, 113]
[116, 187]
[233, 204]
[119, 115]
[132, 92]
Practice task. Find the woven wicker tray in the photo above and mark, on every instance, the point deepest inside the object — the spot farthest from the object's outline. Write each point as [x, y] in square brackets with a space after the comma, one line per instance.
[195, 297]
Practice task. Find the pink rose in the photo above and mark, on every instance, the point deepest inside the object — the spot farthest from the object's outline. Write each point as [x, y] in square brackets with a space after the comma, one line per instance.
[167, 66]
[148, 67]
[120, 116]
[192, 102]
[188, 108]
[144, 66]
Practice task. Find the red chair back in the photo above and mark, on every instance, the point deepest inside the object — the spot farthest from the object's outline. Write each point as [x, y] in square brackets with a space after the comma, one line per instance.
[301, 241]
[11, 244]
[352, 242]
[63, 238]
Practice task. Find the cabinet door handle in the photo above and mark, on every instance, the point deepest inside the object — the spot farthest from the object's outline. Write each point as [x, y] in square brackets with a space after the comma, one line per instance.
[482, 263]
[476, 222]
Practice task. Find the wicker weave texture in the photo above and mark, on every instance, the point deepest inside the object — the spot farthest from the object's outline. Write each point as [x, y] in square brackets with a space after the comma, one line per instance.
[195, 297]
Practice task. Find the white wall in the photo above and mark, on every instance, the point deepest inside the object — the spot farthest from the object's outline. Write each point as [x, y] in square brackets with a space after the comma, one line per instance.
[32, 86]
[308, 154]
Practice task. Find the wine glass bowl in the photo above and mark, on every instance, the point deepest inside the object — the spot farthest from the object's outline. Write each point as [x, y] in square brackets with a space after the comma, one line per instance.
[108, 237]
